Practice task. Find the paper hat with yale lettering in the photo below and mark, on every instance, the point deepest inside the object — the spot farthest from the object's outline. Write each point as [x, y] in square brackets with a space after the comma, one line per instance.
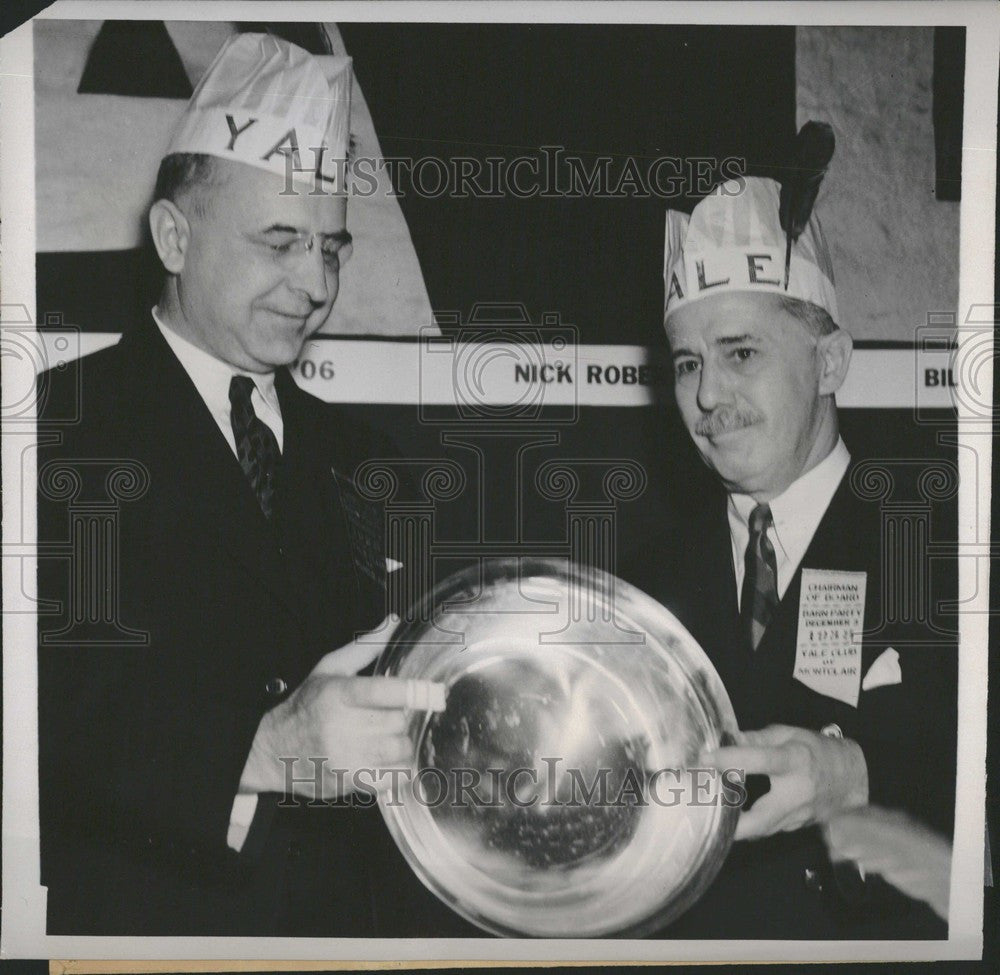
[270, 104]
[734, 241]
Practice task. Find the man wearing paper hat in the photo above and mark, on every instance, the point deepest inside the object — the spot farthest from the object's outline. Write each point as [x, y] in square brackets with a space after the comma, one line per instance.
[778, 577]
[245, 554]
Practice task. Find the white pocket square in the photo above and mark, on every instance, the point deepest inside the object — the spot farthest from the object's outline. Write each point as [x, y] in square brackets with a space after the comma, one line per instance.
[391, 565]
[884, 671]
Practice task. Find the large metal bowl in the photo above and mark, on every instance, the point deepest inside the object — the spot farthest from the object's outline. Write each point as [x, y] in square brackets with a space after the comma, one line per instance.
[559, 672]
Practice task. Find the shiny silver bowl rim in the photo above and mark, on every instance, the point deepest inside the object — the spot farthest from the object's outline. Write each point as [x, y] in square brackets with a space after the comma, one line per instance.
[714, 698]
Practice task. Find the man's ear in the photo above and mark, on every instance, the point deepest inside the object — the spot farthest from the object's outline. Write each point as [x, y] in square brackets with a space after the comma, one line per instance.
[171, 233]
[835, 357]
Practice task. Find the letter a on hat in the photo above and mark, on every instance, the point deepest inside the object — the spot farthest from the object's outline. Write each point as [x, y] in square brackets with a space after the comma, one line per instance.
[270, 104]
[733, 241]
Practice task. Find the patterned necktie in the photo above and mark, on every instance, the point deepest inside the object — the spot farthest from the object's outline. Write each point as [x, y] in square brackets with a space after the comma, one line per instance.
[256, 445]
[760, 578]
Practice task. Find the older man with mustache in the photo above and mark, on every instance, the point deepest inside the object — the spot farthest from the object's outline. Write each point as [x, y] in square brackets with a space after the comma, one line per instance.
[781, 580]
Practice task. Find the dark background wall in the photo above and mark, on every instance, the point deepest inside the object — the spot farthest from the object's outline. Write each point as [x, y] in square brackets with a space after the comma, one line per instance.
[622, 91]
[442, 90]
[617, 96]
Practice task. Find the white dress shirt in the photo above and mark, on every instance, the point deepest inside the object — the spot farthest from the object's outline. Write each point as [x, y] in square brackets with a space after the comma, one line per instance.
[211, 377]
[797, 513]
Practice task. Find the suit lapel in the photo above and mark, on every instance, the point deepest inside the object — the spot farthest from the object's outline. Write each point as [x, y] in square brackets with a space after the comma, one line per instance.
[712, 612]
[834, 546]
[760, 683]
[312, 520]
[192, 465]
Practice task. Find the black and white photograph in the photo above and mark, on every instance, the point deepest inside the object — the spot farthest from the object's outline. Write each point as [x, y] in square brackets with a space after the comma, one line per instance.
[498, 482]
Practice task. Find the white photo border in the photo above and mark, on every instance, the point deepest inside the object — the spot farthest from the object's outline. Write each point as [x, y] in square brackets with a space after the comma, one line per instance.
[23, 933]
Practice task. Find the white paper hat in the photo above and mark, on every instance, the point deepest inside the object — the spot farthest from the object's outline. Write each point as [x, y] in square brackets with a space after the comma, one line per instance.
[268, 103]
[733, 241]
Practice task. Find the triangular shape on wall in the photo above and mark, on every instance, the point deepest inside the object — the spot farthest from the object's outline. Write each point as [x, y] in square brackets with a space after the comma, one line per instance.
[135, 58]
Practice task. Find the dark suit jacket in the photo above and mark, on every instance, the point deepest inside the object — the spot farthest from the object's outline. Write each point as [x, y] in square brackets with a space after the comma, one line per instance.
[167, 627]
[907, 731]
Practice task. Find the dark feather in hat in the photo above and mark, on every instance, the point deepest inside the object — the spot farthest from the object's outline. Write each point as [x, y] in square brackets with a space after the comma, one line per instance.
[814, 147]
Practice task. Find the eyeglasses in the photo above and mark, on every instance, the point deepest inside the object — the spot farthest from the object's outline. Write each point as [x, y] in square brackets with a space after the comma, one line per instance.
[286, 246]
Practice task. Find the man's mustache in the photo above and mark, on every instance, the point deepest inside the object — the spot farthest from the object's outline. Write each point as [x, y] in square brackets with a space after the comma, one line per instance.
[724, 420]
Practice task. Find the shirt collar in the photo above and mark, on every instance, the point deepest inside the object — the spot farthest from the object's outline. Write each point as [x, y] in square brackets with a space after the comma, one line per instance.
[799, 509]
[212, 376]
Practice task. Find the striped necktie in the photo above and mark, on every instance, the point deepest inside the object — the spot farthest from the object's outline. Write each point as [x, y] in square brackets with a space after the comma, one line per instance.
[256, 444]
[760, 578]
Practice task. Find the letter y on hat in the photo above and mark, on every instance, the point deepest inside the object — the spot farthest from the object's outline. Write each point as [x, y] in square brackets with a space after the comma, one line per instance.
[270, 104]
